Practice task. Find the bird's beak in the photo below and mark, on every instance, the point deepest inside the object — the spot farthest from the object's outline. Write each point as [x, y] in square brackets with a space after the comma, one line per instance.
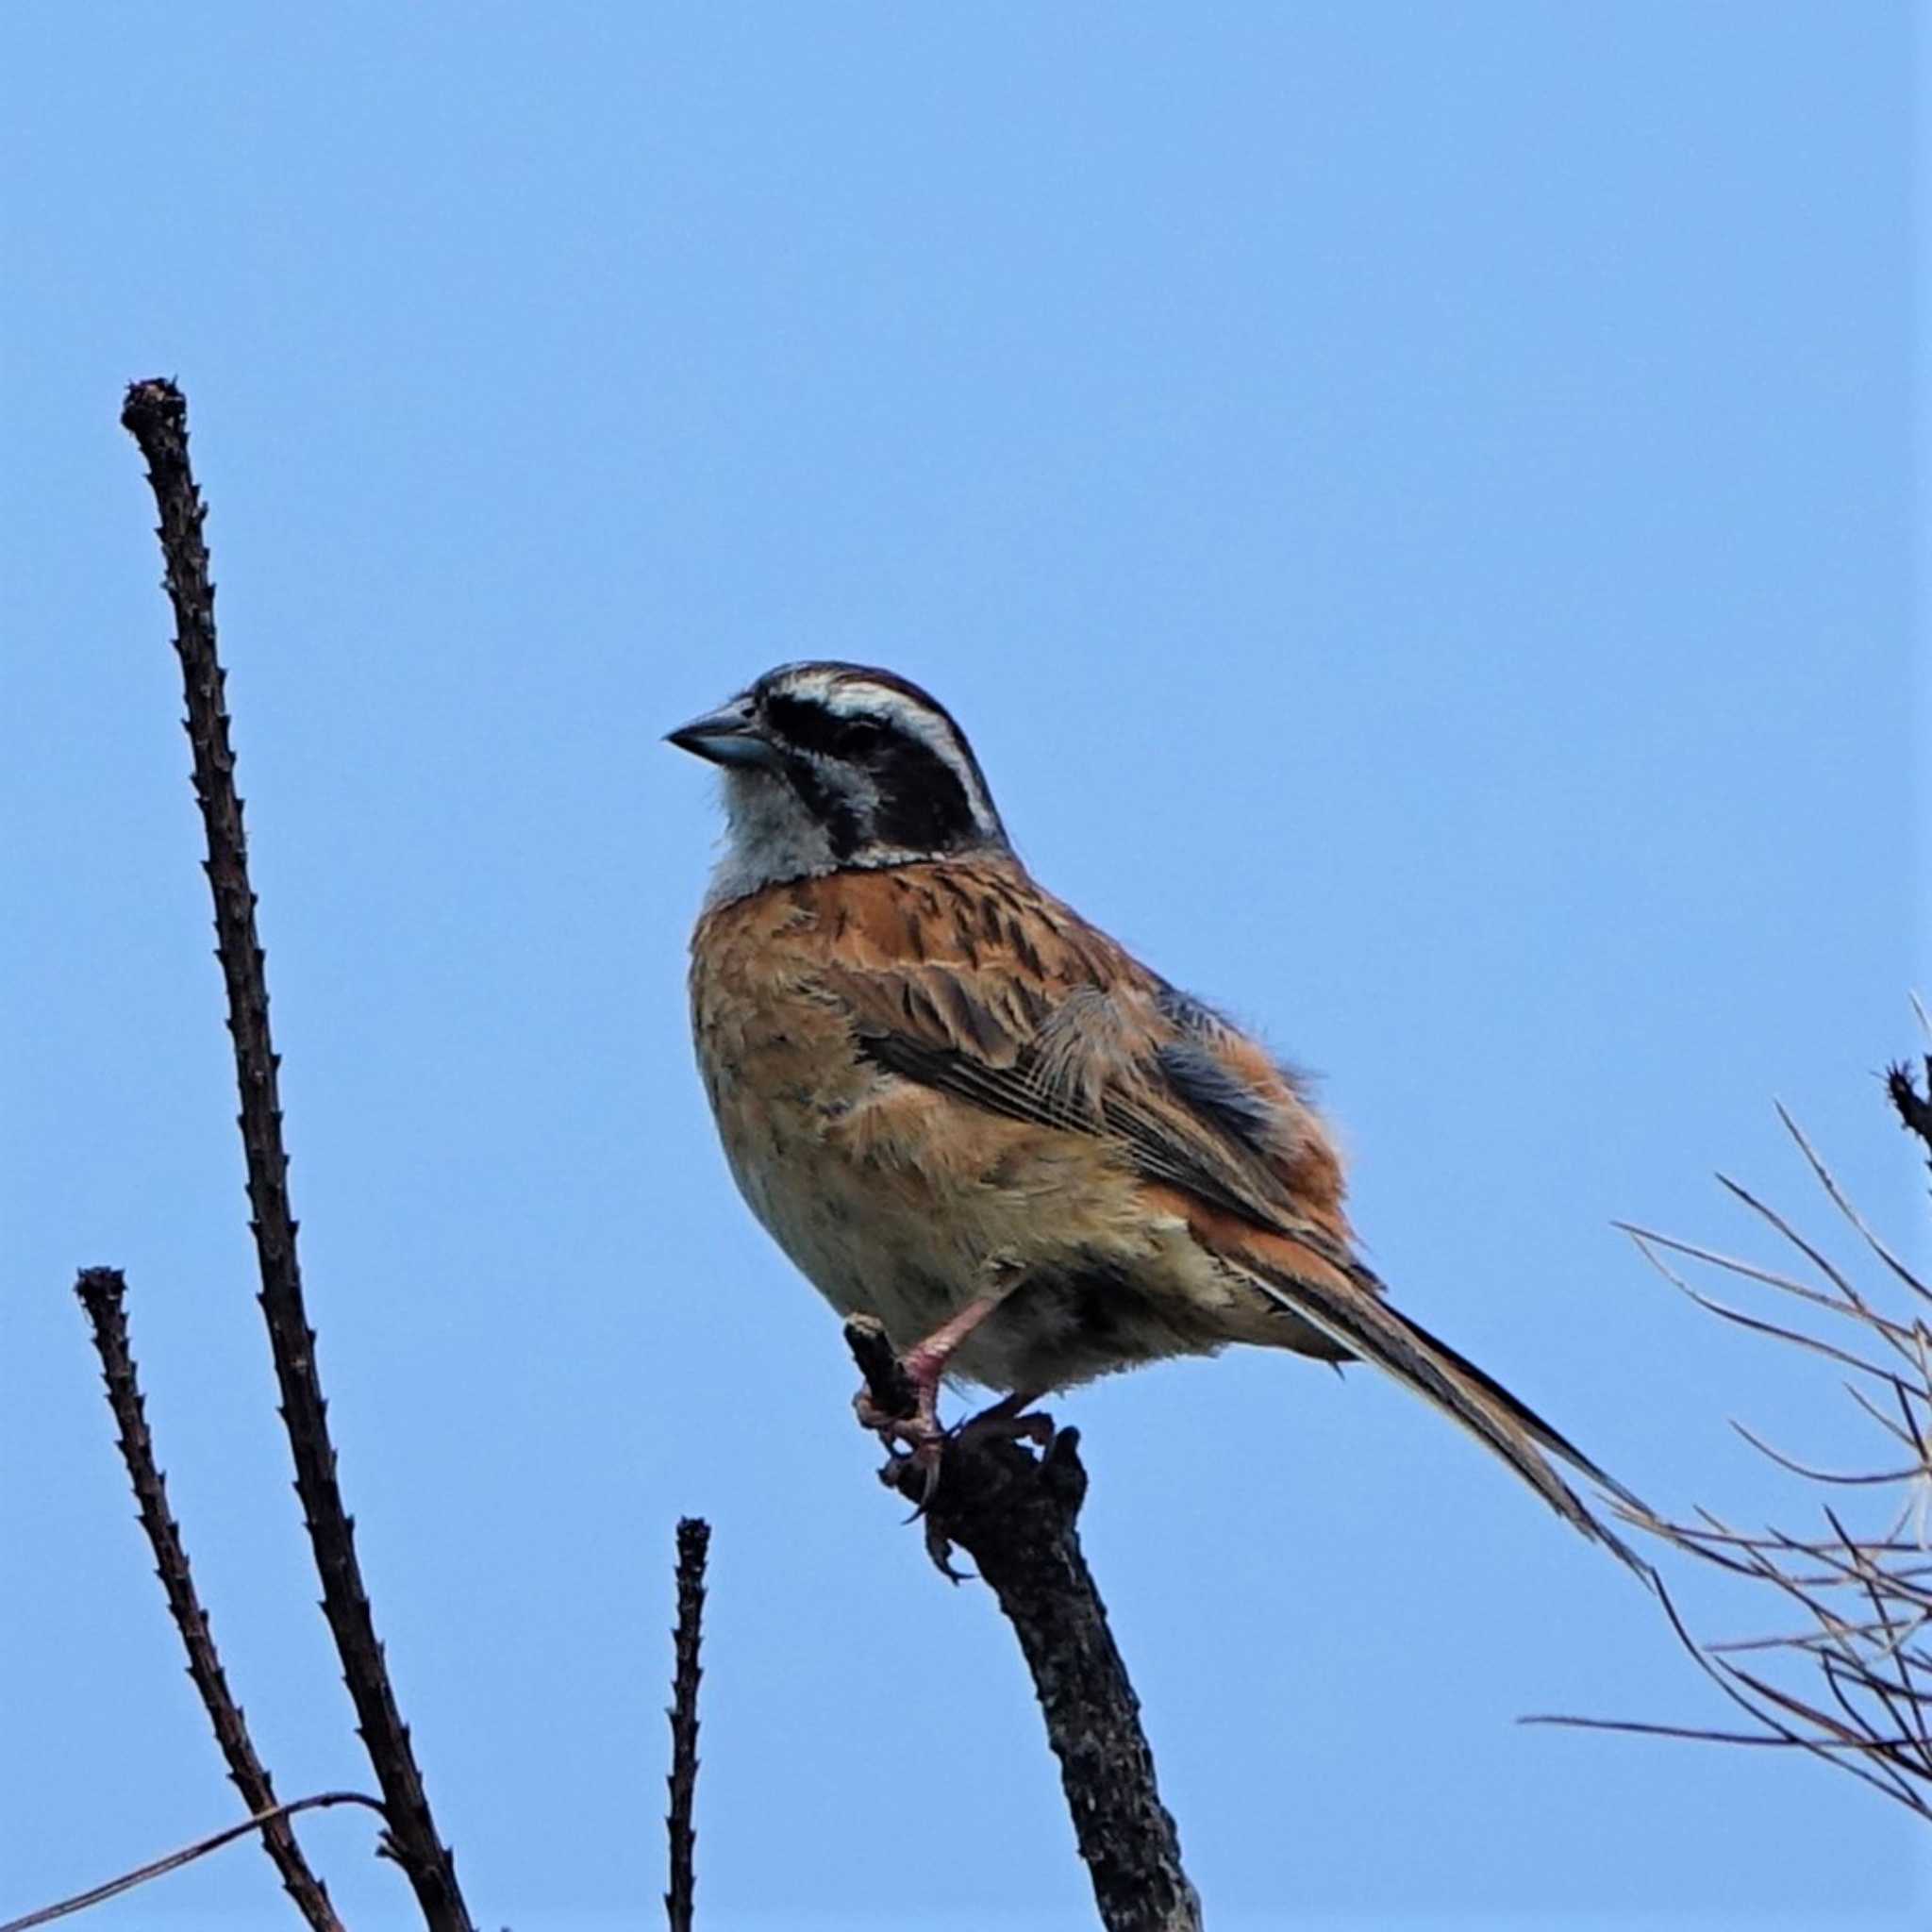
[725, 736]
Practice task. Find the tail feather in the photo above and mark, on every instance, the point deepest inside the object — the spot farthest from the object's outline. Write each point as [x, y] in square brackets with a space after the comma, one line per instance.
[1355, 1315]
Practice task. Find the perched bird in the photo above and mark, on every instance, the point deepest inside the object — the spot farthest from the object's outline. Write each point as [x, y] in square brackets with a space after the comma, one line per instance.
[961, 1109]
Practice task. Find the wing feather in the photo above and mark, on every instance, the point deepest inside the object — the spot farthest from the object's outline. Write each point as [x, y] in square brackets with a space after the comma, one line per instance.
[1091, 1041]
[1085, 1040]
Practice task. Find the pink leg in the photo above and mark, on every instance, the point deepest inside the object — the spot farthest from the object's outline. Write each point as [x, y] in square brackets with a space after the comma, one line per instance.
[926, 1366]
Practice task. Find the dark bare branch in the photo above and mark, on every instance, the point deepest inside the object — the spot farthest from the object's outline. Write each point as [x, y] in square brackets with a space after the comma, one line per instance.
[101, 1291]
[1015, 1514]
[156, 415]
[1914, 1110]
[693, 1545]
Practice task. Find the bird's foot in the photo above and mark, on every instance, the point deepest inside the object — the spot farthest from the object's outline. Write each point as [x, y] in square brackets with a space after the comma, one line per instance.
[899, 1404]
[917, 1437]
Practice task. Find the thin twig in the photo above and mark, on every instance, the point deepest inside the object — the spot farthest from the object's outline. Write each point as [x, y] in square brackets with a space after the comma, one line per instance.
[1014, 1513]
[1813, 1254]
[1846, 1206]
[1695, 1734]
[261, 1822]
[693, 1545]
[1729, 1677]
[1797, 1640]
[156, 415]
[101, 1291]
[1858, 1480]
[1865, 1646]
[1912, 1440]
[1898, 1333]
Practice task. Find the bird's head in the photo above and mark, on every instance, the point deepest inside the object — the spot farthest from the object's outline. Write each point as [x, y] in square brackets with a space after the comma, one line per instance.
[831, 767]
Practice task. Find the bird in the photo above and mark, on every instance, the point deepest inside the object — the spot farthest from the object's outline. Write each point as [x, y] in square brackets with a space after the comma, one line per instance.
[965, 1111]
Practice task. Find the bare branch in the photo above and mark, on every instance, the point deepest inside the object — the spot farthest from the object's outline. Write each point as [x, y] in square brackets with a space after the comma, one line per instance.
[1866, 1586]
[1822, 1475]
[1014, 1513]
[1725, 1313]
[156, 415]
[1810, 1253]
[1695, 1734]
[1907, 1437]
[1839, 1201]
[693, 1545]
[1899, 1334]
[101, 1291]
[263, 1821]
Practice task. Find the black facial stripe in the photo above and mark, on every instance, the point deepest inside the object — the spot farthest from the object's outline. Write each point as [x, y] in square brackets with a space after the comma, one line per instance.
[830, 807]
[910, 796]
[923, 806]
[814, 728]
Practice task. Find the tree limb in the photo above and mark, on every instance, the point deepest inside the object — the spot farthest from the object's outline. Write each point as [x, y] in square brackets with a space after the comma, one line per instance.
[693, 1544]
[156, 415]
[1014, 1513]
[101, 1291]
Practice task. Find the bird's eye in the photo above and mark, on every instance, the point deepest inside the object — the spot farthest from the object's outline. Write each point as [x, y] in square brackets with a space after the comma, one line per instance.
[813, 727]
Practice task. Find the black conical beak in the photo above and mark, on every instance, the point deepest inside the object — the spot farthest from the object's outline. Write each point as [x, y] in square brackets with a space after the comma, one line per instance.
[725, 736]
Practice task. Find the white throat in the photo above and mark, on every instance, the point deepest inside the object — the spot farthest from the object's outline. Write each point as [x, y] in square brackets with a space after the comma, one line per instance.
[769, 837]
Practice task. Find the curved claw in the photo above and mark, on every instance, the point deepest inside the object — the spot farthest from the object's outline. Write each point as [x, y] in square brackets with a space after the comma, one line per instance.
[927, 1455]
[938, 1546]
[918, 1438]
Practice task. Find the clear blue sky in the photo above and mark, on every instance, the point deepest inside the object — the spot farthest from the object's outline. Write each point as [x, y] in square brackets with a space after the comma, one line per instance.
[1414, 504]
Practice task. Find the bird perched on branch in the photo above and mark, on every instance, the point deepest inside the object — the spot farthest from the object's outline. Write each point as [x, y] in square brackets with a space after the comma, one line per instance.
[961, 1109]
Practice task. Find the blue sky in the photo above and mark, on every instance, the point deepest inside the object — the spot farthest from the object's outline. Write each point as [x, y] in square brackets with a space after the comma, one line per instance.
[1415, 507]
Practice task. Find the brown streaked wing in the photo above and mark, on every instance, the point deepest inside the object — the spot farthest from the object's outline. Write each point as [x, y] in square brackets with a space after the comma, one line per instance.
[954, 977]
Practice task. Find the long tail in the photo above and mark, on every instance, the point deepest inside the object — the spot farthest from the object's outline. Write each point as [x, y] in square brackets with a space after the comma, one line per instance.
[1345, 1302]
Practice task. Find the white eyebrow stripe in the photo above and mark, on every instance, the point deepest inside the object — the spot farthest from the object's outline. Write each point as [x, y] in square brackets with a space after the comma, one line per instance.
[847, 696]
